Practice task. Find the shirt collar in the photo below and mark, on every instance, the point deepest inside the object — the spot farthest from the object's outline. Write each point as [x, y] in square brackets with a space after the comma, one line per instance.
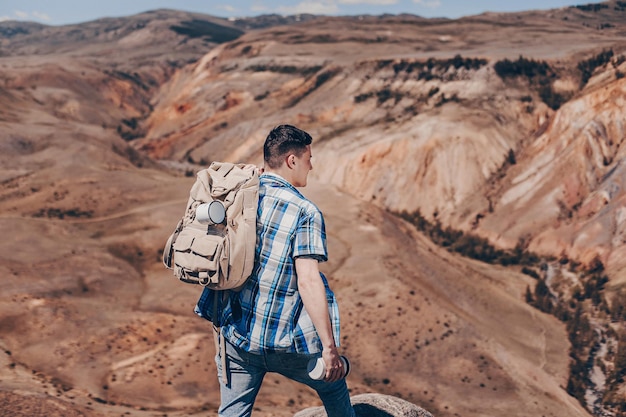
[276, 180]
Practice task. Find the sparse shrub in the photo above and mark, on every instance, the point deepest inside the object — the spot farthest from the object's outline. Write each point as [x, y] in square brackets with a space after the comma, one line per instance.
[577, 293]
[588, 66]
[529, 296]
[424, 69]
[325, 76]
[9, 32]
[543, 297]
[320, 38]
[562, 311]
[443, 99]
[383, 63]
[467, 244]
[261, 96]
[603, 26]
[132, 122]
[579, 329]
[210, 31]
[528, 68]
[426, 76]
[591, 7]
[595, 265]
[285, 69]
[511, 157]
[553, 99]
[131, 154]
[578, 380]
[130, 129]
[539, 75]
[363, 97]
[564, 211]
[433, 91]
[581, 336]
[387, 94]
[319, 81]
[58, 213]
[530, 272]
[134, 78]
[476, 248]
[384, 95]
[618, 307]
[619, 371]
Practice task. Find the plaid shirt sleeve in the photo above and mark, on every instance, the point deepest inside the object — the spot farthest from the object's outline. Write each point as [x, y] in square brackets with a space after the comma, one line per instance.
[310, 238]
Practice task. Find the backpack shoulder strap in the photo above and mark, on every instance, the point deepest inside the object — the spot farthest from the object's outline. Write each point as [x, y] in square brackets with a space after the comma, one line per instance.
[218, 335]
[250, 203]
[168, 251]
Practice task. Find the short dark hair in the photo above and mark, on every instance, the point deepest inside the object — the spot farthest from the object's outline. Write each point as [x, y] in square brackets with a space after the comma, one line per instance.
[283, 140]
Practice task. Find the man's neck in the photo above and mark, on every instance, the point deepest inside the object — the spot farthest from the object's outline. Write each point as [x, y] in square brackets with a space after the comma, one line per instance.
[283, 173]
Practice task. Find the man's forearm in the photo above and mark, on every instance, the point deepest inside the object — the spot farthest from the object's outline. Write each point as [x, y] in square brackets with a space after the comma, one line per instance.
[313, 293]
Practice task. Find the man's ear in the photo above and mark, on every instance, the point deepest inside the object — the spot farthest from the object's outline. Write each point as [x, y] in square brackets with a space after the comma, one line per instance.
[291, 161]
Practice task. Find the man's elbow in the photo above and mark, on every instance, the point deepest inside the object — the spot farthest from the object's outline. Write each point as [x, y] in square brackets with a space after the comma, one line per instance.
[310, 281]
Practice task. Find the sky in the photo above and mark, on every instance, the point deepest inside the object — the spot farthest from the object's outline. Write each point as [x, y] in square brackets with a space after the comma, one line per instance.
[61, 12]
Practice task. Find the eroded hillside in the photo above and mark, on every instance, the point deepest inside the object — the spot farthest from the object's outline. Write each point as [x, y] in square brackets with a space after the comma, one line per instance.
[520, 145]
[417, 119]
[407, 113]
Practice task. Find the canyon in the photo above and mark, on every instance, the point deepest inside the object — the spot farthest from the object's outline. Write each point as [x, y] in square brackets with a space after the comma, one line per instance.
[432, 137]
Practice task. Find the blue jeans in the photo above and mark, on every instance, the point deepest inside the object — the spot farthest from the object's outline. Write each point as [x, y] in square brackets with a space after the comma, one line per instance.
[246, 375]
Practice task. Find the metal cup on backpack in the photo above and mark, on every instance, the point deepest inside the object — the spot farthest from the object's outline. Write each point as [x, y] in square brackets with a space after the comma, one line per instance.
[210, 213]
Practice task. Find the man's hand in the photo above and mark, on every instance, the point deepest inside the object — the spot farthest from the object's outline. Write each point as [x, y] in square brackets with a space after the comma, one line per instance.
[334, 365]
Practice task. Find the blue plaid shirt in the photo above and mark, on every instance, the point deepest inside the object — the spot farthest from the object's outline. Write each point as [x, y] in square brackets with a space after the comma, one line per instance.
[268, 314]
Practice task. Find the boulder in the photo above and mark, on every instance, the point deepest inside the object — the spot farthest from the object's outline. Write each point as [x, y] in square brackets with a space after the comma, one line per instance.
[374, 405]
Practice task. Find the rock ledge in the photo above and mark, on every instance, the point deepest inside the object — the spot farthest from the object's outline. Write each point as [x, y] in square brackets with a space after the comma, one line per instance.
[374, 405]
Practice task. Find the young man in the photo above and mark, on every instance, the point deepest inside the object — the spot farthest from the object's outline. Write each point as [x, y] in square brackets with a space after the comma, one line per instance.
[285, 314]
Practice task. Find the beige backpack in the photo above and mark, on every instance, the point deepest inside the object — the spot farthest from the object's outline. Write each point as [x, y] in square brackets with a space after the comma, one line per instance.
[214, 243]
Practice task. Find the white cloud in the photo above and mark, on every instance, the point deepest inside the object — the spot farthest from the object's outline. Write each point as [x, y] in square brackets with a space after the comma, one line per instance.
[317, 7]
[22, 15]
[227, 8]
[431, 4]
[258, 8]
[5, 18]
[328, 7]
[40, 16]
[370, 2]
